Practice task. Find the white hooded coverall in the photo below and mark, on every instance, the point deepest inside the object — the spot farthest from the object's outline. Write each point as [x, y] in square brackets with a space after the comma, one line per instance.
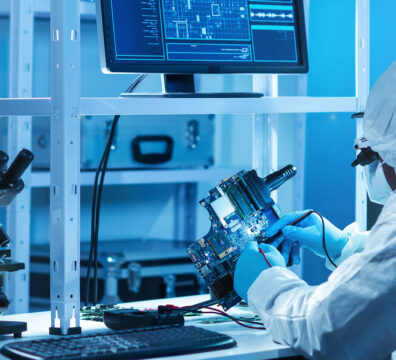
[353, 314]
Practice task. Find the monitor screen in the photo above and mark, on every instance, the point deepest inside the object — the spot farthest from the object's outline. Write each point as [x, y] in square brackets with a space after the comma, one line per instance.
[202, 36]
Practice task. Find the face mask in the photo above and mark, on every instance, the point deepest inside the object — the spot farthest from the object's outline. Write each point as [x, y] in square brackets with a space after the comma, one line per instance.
[377, 186]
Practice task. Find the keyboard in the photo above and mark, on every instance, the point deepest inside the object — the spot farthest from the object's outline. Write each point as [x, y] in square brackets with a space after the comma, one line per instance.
[125, 344]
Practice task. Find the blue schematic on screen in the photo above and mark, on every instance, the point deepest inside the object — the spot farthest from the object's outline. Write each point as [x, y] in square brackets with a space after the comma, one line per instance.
[188, 31]
[206, 19]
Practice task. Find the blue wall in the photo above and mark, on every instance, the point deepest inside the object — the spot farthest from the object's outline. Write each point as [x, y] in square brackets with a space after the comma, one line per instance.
[330, 180]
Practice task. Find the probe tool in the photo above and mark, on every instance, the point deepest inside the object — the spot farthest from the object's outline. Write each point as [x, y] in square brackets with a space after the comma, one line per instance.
[271, 239]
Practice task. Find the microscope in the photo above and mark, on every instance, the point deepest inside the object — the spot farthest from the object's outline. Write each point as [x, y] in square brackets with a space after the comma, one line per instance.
[11, 185]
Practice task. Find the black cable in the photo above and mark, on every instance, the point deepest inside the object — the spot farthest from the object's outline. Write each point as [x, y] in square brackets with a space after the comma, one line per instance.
[324, 238]
[135, 83]
[93, 226]
[96, 201]
[98, 204]
[206, 304]
[185, 309]
[93, 212]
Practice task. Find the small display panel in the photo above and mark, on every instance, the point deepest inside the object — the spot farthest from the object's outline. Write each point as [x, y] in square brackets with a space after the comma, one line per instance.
[190, 36]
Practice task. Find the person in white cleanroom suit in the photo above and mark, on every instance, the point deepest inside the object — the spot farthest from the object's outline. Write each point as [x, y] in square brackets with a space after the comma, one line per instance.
[353, 314]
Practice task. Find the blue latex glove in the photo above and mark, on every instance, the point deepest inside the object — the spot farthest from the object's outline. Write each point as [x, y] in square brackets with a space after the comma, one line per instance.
[307, 233]
[251, 263]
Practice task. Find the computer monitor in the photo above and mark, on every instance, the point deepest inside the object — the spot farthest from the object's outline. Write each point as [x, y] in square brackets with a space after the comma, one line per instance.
[202, 37]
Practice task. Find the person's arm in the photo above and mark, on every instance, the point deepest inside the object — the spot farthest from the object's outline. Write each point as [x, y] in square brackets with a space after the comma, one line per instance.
[355, 244]
[308, 233]
[351, 316]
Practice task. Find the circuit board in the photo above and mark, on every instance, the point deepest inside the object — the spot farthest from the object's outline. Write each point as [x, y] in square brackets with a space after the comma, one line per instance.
[96, 312]
[240, 210]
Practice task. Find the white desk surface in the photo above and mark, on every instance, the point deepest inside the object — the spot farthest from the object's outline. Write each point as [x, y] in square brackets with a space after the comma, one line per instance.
[252, 344]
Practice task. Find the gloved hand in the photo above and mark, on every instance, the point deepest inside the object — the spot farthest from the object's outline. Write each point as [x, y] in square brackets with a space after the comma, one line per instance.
[251, 263]
[307, 233]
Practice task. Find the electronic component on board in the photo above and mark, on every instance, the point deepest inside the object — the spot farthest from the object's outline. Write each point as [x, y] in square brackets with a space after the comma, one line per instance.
[240, 209]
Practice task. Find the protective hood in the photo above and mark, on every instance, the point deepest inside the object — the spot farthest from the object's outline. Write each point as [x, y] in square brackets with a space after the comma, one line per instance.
[379, 123]
[378, 187]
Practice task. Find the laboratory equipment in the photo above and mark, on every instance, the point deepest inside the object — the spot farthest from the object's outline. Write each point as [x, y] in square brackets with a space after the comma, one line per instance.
[138, 319]
[129, 270]
[167, 141]
[11, 185]
[240, 210]
[125, 344]
[179, 39]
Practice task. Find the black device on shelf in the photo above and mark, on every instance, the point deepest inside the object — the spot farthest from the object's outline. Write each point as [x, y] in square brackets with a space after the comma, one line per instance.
[201, 37]
[131, 319]
[126, 344]
[11, 185]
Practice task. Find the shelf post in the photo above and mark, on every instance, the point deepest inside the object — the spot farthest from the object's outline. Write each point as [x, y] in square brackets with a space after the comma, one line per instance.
[265, 129]
[65, 167]
[362, 92]
[185, 212]
[20, 136]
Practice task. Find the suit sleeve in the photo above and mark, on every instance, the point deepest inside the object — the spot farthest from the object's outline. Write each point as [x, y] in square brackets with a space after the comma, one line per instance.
[356, 243]
[351, 316]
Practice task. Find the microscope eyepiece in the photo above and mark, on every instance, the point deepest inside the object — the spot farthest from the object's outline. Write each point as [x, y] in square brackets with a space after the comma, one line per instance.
[18, 166]
[3, 160]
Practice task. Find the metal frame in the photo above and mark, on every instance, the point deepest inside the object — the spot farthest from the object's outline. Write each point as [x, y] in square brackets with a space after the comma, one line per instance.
[167, 106]
[265, 129]
[19, 136]
[65, 166]
[362, 92]
[300, 131]
[65, 109]
[134, 177]
[185, 211]
[42, 9]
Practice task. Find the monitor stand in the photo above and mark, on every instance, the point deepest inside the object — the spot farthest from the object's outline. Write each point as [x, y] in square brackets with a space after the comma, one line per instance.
[183, 86]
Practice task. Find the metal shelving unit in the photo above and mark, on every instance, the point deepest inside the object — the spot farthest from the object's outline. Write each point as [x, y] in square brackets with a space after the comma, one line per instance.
[41, 9]
[168, 106]
[134, 177]
[65, 108]
[19, 130]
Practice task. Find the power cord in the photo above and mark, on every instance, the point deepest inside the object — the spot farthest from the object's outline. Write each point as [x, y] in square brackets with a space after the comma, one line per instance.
[324, 238]
[96, 204]
[210, 310]
[95, 213]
